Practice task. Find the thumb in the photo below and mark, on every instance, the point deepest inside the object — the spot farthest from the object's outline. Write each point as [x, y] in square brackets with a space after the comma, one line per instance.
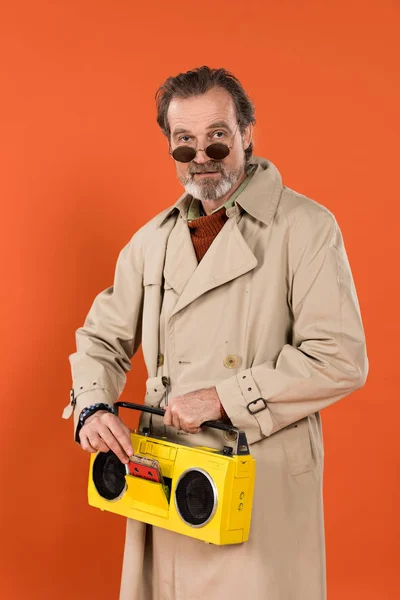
[167, 416]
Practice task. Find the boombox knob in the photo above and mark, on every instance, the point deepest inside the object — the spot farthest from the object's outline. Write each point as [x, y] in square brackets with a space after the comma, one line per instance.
[146, 431]
[227, 450]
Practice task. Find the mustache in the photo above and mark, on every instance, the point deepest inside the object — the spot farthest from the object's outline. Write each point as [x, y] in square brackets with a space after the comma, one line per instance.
[210, 167]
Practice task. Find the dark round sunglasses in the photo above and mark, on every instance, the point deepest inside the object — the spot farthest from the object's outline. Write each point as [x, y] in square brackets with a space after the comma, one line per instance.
[216, 151]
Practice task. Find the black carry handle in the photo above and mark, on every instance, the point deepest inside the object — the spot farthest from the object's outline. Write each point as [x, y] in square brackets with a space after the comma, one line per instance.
[160, 412]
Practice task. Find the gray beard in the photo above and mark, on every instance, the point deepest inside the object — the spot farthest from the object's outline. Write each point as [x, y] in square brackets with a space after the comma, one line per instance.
[209, 189]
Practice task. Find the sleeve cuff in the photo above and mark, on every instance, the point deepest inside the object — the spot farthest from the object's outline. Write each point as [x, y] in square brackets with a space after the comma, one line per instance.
[241, 399]
[85, 399]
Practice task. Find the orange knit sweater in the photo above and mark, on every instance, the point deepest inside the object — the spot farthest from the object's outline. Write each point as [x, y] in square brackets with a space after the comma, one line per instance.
[205, 229]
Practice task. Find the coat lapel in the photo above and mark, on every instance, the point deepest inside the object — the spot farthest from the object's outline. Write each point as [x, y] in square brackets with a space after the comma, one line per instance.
[180, 261]
[229, 255]
[227, 258]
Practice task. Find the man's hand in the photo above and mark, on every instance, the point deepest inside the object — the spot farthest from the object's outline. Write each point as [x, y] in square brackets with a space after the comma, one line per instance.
[104, 431]
[189, 411]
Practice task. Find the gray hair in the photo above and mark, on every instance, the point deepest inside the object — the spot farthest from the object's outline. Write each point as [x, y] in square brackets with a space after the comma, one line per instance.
[197, 82]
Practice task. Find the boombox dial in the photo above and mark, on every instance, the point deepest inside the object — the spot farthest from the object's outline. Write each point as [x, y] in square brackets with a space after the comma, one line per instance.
[196, 497]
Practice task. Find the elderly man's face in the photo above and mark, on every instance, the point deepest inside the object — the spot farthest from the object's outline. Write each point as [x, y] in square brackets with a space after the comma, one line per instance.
[198, 122]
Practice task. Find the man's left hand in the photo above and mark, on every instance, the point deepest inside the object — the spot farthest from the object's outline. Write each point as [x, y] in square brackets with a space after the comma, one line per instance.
[189, 411]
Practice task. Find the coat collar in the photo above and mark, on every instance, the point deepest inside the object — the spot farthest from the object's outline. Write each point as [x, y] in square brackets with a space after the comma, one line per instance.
[227, 258]
[259, 199]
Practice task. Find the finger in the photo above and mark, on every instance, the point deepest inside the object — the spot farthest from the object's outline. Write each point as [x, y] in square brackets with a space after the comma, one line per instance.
[190, 425]
[194, 430]
[113, 443]
[168, 416]
[175, 418]
[96, 442]
[122, 435]
[110, 443]
[85, 444]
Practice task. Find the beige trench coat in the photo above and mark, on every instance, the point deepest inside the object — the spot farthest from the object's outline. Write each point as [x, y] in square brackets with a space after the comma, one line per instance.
[270, 314]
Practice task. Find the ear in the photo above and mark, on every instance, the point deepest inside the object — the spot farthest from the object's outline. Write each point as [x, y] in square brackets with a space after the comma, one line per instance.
[247, 136]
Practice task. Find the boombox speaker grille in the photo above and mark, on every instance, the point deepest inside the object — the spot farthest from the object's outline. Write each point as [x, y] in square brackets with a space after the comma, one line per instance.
[196, 497]
[108, 475]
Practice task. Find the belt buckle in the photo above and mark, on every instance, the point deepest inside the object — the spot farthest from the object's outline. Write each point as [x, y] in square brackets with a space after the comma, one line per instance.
[254, 412]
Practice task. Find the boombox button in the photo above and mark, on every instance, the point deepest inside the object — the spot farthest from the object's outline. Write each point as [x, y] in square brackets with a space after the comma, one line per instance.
[230, 436]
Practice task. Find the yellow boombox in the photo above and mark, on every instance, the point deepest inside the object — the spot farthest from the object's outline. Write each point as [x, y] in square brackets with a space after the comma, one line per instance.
[200, 492]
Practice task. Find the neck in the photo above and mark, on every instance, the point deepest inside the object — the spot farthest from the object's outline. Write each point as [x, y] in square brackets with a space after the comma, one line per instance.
[210, 205]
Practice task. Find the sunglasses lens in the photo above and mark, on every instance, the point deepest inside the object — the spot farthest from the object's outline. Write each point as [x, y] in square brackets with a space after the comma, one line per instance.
[184, 154]
[217, 151]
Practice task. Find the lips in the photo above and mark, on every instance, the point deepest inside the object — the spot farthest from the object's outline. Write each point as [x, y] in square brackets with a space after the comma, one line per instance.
[207, 173]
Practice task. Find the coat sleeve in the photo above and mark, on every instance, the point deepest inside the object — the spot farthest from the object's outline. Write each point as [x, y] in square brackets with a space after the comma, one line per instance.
[326, 359]
[110, 336]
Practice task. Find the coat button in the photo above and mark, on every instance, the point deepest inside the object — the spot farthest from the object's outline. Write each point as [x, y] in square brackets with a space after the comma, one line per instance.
[231, 361]
[160, 360]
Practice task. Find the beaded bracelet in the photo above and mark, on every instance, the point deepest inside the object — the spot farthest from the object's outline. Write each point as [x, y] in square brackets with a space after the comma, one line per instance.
[93, 408]
[87, 412]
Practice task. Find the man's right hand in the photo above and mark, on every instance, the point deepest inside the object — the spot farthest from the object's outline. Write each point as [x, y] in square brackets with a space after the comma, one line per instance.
[104, 431]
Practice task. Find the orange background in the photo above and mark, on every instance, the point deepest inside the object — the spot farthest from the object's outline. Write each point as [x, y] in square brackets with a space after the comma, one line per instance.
[83, 165]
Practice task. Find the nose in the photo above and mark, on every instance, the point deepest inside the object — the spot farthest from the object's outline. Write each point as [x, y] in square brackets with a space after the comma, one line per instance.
[201, 157]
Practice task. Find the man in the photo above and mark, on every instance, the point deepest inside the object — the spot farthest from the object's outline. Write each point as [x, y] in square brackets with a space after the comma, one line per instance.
[242, 295]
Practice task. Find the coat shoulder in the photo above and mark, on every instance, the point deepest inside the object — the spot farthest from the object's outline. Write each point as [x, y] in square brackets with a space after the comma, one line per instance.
[151, 226]
[298, 208]
[136, 246]
[310, 225]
